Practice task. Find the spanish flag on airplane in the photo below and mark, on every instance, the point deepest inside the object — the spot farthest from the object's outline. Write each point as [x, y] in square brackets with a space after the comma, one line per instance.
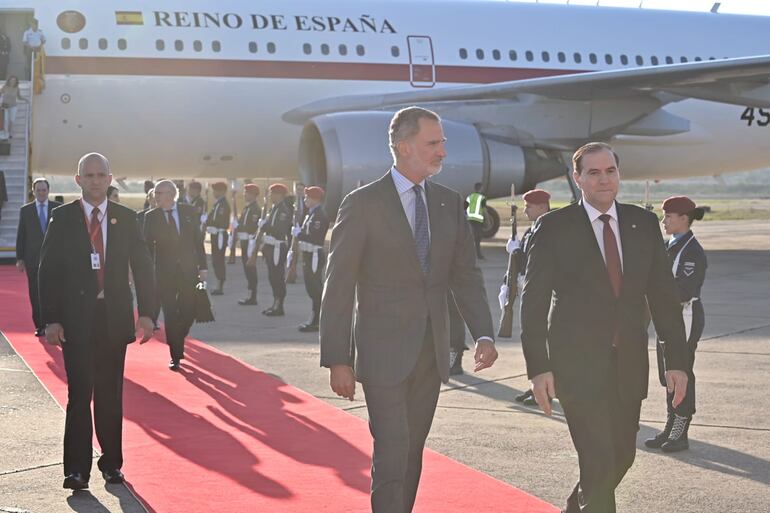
[129, 17]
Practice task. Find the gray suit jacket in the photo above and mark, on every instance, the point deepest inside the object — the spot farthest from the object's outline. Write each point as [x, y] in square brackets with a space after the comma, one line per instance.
[373, 266]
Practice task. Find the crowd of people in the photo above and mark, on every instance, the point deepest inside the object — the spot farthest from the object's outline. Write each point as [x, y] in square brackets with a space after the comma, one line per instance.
[392, 299]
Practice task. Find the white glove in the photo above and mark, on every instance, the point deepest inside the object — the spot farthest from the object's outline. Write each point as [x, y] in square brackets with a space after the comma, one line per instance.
[513, 245]
[503, 295]
[262, 222]
[204, 218]
[295, 230]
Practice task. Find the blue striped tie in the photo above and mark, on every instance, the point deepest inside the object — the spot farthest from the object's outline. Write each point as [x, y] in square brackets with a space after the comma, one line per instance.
[421, 237]
[42, 216]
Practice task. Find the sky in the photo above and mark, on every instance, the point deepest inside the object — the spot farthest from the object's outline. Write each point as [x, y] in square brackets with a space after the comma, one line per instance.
[761, 7]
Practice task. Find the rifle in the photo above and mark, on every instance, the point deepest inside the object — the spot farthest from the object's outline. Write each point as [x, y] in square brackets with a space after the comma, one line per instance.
[233, 229]
[505, 329]
[252, 261]
[293, 256]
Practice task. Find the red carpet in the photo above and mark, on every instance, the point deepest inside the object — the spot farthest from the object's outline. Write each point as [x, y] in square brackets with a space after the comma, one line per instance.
[223, 436]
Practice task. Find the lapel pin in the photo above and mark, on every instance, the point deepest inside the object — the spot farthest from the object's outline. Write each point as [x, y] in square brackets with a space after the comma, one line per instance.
[442, 204]
[113, 221]
[633, 226]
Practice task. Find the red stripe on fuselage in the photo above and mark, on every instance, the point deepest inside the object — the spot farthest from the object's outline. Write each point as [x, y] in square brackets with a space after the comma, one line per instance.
[283, 69]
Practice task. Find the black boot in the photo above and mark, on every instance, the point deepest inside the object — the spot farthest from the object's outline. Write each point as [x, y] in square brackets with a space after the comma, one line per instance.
[276, 310]
[219, 290]
[677, 440]
[311, 325]
[660, 438]
[251, 300]
[455, 363]
[270, 309]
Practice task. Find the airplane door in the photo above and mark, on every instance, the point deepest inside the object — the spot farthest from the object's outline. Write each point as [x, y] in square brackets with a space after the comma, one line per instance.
[422, 68]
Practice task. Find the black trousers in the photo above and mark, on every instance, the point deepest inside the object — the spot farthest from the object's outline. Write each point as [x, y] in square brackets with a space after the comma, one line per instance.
[218, 257]
[477, 235]
[276, 273]
[687, 407]
[249, 271]
[603, 430]
[314, 280]
[456, 326]
[94, 370]
[177, 298]
[400, 417]
[34, 298]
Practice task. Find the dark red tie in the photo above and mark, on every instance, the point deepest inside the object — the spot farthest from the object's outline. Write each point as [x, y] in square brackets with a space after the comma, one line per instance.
[172, 221]
[612, 255]
[98, 241]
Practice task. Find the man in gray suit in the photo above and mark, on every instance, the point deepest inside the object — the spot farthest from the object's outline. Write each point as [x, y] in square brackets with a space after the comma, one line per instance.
[399, 244]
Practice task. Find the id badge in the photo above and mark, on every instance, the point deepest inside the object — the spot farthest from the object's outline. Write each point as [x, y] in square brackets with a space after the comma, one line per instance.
[96, 263]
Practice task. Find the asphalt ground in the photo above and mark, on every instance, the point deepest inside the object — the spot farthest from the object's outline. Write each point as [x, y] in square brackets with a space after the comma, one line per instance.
[727, 468]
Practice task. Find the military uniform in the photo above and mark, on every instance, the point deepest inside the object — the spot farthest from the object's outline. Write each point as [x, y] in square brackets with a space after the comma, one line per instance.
[248, 225]
[217, 225]
[277, 231]
[311, 244]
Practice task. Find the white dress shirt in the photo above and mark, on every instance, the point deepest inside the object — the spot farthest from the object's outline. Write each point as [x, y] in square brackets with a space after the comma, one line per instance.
[102, 219]
[33, 38]
[407, 196]
[598, 226]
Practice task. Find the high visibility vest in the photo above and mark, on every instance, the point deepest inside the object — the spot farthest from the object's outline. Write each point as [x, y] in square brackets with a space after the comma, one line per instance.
[474, 211]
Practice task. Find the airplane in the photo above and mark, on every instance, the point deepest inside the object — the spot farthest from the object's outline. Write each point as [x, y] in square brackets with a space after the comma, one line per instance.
[304, 90]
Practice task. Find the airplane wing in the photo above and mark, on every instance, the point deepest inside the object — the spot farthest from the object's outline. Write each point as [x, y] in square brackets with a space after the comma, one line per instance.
[629, 99]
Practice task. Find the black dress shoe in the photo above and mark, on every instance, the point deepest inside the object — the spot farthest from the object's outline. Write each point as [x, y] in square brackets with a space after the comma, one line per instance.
[173, 365]
[75, 481]
[39, 332]
[274, 312]
[113, 476]
[248, 301]
[308, 328]
[523, 396]
[217, 292]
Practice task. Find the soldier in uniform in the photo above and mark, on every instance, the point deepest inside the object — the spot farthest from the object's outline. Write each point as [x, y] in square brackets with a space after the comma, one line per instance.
[536, 203]
[277, 229]
[248, 224]
[688, 261]
[217, 224]
[311, 237]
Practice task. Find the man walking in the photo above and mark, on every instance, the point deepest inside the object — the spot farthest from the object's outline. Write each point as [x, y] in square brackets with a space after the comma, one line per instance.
[399, 244]
[592, 267]
[87, 307]
[172, 234]
[33, 222]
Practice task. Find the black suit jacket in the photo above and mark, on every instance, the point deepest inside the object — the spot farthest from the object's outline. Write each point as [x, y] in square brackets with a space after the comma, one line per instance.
[68, 286]
[183, 251]
[29, 236]
[569, 312]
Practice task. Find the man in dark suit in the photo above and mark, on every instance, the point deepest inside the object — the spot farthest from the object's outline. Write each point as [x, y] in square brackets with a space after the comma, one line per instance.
[33, 222]
[87, 307]
[172, 234]
[592, 269]
[399, 244]
[217, 225]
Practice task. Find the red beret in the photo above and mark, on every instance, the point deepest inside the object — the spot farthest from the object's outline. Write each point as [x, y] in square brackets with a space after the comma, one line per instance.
[251, 188]
[536, 196]
[678, 205]
[279, 188]
[316, 193]
[219, 186]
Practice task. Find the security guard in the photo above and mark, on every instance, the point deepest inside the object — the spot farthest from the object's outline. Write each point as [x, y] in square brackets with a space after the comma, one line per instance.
[475, 211]
[217, 224]
[688, 264]
[248, 224]
[311, 237]
[277, 229]
[536, 203]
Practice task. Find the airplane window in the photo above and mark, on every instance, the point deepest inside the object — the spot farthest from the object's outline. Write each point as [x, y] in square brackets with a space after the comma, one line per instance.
[654, 60]
[698, 59]
[529, 55]
[160, 45]
[479, 54]
[512, 55]
[178, 45]
[683, 59]
[307, 48]
[562, 57]
[122, 44]
[639, 60]
[624, 59]
[253, 47]
[197, 46]
[102, 44]
[578, 58]
[216, 46]
[65, 43]
[83, 43]
[463, 53]
[712, 58]
[395, 51]
[592, 58]
[360, 50]
[496, 55]
[608, 58]
[669, 59]
[271, 47]
[546, 57]
[343, 49]
[325, 49]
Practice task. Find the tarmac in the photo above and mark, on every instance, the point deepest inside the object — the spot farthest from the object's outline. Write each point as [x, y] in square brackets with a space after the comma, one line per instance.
[727, 468]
